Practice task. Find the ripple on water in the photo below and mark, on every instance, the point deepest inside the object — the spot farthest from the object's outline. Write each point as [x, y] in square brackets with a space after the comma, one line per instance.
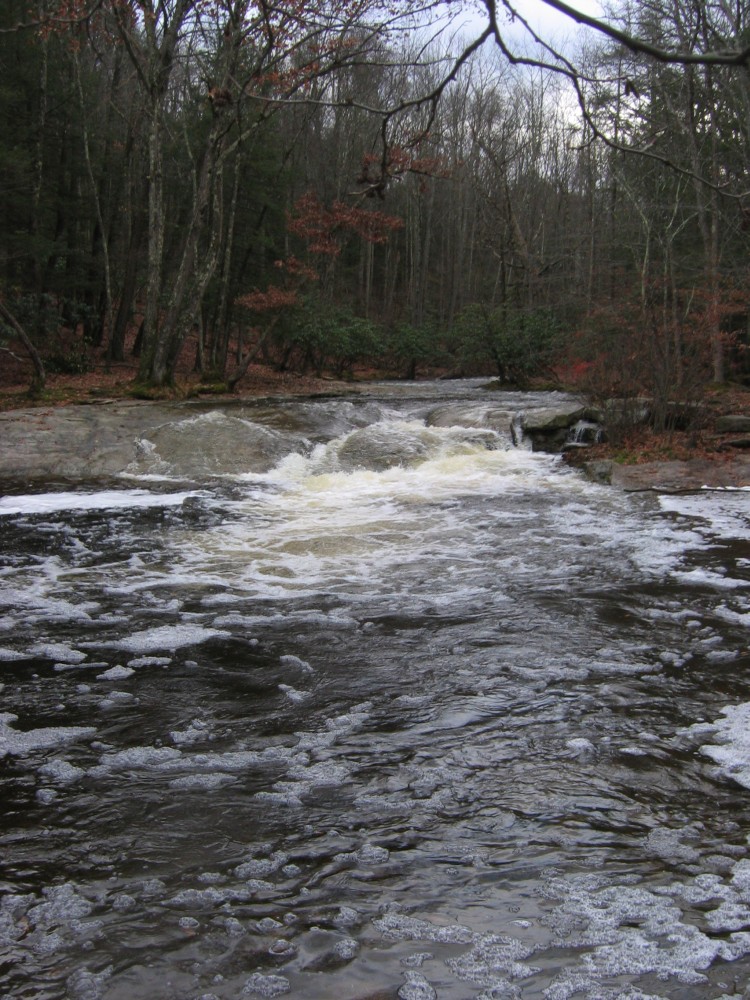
[428, 682]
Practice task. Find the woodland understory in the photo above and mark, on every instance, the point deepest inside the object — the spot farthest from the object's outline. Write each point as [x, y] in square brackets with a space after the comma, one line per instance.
[215, 196]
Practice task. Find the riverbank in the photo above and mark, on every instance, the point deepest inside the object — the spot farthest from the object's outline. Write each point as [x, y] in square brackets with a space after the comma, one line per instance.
[116, 382]
[716, 456]
[85, 426]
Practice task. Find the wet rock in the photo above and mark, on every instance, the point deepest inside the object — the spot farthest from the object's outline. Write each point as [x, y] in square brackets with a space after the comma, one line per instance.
[553, 418]
[674, 476]
[548, 428]
[599, 471]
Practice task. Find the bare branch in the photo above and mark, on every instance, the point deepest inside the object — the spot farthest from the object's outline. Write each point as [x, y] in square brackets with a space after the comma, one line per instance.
[719, 57]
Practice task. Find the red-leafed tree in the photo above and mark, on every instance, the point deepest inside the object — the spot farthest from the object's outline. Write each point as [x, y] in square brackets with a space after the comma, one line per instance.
[322, 232]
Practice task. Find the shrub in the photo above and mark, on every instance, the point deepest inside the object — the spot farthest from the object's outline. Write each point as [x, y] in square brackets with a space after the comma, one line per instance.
[74, 361]
[411, 347]
[518, 344]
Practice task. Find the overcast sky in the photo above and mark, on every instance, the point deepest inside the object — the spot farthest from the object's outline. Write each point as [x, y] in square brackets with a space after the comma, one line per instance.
[548, 23]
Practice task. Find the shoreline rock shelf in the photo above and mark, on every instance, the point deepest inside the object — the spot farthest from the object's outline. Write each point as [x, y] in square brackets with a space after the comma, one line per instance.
[100, 440]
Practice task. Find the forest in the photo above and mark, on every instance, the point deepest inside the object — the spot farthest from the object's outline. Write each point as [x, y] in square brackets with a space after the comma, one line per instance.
[394, 186]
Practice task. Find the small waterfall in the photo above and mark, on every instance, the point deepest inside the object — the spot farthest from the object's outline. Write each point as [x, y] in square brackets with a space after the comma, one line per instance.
[584, 433]
[518, 433]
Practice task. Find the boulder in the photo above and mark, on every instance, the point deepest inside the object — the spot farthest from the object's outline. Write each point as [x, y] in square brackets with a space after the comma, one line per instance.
[549, 426]
[733, 423]
[599, 471]
[553, 418]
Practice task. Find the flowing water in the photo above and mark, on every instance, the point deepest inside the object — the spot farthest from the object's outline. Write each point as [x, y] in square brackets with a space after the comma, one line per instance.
[360, 698]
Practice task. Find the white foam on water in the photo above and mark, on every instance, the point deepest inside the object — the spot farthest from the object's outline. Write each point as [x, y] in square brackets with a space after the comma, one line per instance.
[633, 930]
[735, 617]
[730, 742]
[20, 744]
[137, 758]
[58, 651]
[171, 760]
[9, 655]
[262, 985]
[46, 503]
[150, 661]
[197, 731]
[293, 694]
[365, 531]
[261, 867]
[86, 985]
[61, 772]
[163, 637]
[66, 667]
[704, 577]
[416, 987]
[289, 660]
[116, 699]
[202, 782]
[491, 954]
[724, 513]
[395, 926]
[117, 673]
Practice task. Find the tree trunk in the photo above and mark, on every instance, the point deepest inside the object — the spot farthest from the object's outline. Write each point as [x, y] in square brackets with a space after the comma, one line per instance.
[152, 368]
[40, 376]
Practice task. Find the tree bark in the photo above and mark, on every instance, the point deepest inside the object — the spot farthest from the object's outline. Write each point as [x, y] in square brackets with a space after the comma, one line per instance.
[40, 376]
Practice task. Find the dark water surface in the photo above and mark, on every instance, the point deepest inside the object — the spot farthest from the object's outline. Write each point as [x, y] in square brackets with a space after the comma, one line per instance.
[353, 699]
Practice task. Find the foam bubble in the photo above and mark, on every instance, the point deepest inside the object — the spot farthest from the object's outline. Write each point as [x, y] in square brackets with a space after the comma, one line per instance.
[288, 660]
[117, 673]
[201, 782]
[399, 927]
[293, 694]
[20, 744]
[85, 985]
[416, 987]
[196, 731]
[165, 637]
[150, 661]
[370, 854]
[258, 867]
[58, 651]
[265, 986]
[137, 758]
[45, 503]
[8, 655]
[61, 772]
[492, 954]
[731, 750]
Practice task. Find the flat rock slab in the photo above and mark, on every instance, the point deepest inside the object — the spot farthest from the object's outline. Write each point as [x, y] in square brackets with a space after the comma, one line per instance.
[677, 476]
[72, 442]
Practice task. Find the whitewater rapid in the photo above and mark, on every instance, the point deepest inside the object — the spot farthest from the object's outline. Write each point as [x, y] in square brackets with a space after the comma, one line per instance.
[359, 698]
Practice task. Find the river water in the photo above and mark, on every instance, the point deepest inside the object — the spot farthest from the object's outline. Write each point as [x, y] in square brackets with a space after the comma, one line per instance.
[356, 699]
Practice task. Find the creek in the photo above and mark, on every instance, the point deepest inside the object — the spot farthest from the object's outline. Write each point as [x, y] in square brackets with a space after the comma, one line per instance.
[361, 698]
